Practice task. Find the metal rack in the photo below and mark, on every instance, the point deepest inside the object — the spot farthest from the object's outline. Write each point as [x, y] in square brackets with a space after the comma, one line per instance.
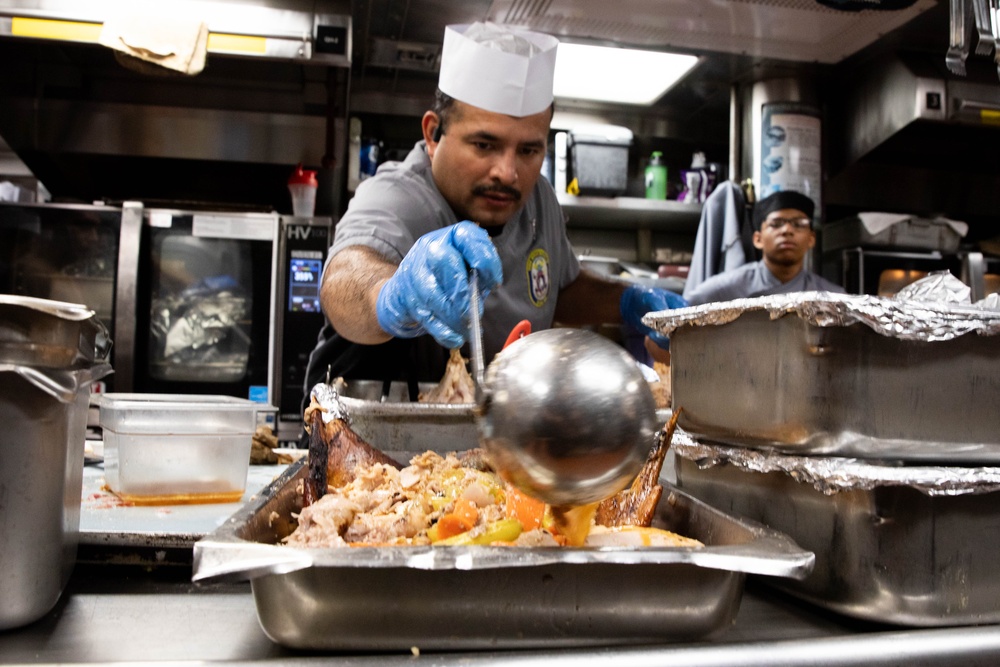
[969, 266]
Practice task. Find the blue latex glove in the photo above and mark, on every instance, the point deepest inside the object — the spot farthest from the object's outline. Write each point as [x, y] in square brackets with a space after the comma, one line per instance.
[638, 300]
[429, 293]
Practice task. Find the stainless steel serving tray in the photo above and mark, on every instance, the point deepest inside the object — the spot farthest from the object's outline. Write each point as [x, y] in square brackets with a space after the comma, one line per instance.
[394, 422]
[841, 375]
[907, 545]
[396, 598]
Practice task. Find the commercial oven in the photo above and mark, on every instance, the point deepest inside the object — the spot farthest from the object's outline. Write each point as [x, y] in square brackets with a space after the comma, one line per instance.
[197, 302]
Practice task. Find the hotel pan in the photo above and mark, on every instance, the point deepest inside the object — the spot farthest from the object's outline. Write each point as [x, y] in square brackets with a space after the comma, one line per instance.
[51, 353]
[396, 423]
[396, 598]
[395, 420]
[905, 545]
[839, 375]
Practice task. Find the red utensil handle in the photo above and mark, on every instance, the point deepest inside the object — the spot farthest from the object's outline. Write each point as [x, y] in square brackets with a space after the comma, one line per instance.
[520, 330]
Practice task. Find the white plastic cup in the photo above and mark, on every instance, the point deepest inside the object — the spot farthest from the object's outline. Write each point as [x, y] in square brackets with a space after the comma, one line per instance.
[302, 185]
[303, 199]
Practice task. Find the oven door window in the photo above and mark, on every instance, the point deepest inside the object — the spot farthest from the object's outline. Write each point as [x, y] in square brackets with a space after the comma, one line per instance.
[63, 253]
[201, 309]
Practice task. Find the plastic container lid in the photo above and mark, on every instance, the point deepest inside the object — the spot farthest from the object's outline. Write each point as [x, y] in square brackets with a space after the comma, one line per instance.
[179, 413]
[601, 134]
[303, 177]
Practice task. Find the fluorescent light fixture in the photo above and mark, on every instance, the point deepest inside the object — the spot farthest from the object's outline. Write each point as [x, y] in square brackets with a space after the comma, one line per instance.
[629, 76]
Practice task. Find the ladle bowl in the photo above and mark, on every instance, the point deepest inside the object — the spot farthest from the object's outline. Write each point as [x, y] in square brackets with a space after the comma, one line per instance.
[566, 416]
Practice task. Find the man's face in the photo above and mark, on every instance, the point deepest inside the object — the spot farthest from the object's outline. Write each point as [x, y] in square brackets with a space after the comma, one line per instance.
[486, 163]
[785, 237]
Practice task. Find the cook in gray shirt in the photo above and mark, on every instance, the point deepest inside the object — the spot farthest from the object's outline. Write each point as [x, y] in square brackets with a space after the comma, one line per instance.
[784, 234]
[389, 213]
[396, 287]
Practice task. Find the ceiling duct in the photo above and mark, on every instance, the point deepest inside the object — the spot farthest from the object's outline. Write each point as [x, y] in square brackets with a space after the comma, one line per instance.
[413, 56]
[797, 30]
[908, 92]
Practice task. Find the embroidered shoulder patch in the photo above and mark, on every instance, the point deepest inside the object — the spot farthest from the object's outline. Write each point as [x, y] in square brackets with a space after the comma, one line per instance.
[538, 276]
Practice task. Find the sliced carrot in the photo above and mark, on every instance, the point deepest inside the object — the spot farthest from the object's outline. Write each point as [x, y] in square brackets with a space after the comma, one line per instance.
[450, 525]
[462, 518]
[529, 511]
[467, 511]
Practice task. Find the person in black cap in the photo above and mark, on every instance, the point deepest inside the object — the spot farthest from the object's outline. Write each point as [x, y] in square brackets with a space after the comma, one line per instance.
[783, 233]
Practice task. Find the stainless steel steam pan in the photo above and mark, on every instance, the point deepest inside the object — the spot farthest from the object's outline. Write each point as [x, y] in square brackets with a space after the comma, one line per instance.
[912, 546]
[394, 423]
[837, 374]
[396, 598]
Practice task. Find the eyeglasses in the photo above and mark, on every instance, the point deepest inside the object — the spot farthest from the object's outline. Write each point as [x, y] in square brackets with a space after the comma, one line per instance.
[778, 223]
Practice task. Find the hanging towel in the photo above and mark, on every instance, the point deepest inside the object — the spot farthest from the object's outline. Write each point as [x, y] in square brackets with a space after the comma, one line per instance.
[175, 42]
[718, 245]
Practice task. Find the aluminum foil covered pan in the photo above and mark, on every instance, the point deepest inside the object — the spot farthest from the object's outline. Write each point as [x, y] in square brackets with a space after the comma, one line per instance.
[843, 375]
[395, 598]
[907, 545]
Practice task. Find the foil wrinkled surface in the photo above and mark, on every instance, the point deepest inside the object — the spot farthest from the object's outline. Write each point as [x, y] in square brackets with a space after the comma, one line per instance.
[935, 308]
[327, 396]
[830, 475]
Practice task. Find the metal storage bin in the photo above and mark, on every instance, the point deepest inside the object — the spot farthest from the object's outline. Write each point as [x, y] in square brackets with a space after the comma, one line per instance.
[845, 375]
[50, 355]
[912, 233]
[910, 546]
[599, 159]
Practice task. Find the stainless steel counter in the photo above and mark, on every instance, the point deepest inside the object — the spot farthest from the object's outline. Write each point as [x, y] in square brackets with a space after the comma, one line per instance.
[139, 614]
[131, 600]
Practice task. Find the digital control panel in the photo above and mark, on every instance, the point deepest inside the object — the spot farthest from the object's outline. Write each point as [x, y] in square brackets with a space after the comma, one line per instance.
[303, 284]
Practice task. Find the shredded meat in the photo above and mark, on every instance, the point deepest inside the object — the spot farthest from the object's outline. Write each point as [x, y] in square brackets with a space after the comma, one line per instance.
[397, 506]
[321, 523]
[356, 495]
[455, 387]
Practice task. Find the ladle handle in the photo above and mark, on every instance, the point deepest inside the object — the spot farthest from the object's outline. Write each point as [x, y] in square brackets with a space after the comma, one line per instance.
[475, 330]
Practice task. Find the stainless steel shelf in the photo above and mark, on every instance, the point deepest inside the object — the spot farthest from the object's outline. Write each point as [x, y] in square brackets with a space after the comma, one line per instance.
[630, 213]
[135, 615]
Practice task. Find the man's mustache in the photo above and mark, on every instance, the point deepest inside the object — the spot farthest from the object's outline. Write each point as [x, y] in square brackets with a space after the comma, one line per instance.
[481, 190]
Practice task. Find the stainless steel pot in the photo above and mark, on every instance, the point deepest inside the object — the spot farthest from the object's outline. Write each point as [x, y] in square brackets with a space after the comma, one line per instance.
[44, 395]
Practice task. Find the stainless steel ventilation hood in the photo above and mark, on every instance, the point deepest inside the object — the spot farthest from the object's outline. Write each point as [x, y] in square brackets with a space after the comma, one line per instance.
[909, 91]
[301, 30]
[273, 94]
[791, 30]
[88, 128]
[909, 136]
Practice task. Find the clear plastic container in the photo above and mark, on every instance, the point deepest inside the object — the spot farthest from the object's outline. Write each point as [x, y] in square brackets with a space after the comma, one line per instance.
[176, 449]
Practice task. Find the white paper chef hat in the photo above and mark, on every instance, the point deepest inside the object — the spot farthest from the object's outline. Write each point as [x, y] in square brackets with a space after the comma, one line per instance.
[498, 68]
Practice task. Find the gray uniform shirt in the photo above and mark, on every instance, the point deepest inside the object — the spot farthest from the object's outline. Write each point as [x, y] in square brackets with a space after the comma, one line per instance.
[755, 279]
[401, 203]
